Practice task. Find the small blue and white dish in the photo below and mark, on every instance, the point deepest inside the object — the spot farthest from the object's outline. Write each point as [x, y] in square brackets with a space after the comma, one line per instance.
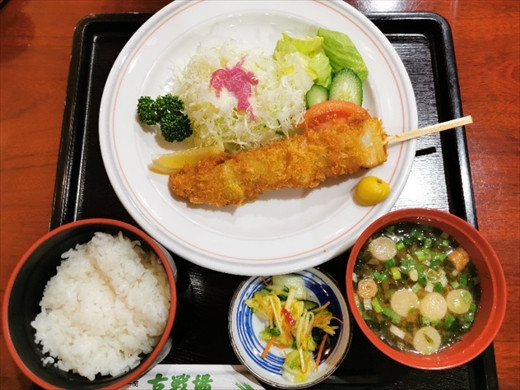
[245, 327]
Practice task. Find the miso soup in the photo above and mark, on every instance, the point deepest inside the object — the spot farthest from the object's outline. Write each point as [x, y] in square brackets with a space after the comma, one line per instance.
[416, 287]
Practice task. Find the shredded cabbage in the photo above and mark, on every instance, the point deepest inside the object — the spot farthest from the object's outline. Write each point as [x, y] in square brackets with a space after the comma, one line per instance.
[277, 100]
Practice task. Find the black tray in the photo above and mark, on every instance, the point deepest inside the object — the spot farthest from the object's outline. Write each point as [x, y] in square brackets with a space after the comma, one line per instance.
[440, 179]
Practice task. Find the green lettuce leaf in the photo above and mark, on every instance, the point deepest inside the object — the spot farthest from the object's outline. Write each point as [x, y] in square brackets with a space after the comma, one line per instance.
[308, 53]
[342, 52]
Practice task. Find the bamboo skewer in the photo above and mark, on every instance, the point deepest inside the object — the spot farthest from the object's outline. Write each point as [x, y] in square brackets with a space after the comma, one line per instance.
[395, 138]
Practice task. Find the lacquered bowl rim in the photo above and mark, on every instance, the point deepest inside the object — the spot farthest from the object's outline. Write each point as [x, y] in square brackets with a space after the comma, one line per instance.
[479, 337]
[163, 342]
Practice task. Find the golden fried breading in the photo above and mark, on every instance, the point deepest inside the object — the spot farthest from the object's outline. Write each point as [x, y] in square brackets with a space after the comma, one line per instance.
[302, 161]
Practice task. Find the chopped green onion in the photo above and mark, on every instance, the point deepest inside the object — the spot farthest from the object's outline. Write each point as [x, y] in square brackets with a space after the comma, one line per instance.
[376, 305]
[440, 256]
[434, 263]
[469, 317]
[379, 276]
[435, 323]
[416, 233]
[438, 287]
[449, 320]
[390, 263]
[463, 281]
[420, 255]
[416, 287]
[466, 296]
[400, 245]
[396, 274]
[394, 317]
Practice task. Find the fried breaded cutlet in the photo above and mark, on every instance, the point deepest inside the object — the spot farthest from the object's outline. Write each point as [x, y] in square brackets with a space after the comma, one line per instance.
[302, 161]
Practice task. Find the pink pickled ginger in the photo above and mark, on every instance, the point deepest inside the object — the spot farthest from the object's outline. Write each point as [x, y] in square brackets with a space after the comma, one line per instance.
[237, 81]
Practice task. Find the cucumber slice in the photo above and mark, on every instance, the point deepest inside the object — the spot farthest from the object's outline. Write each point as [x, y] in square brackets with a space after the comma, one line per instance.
[316, 94]
[346, 85]
[309, 305]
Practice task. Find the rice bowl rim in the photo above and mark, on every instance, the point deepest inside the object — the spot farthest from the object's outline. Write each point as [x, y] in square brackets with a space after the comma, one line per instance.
[147, 362]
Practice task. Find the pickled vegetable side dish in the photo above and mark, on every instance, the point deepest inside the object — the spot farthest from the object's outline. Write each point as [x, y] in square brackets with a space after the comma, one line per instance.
[416, 287]
[298, 326]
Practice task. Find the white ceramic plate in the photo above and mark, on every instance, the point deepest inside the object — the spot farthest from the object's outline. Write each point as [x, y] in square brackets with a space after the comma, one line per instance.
[283, 231]
[244, 329]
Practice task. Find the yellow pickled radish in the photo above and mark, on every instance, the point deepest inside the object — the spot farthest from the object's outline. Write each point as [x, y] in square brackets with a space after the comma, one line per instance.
[371, 190]
[169, 162]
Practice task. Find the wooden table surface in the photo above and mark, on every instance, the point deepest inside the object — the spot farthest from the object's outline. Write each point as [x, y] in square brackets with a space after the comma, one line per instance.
[35, 49]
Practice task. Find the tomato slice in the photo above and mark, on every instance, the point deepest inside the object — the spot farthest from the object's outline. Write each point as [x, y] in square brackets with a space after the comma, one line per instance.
[331, 110]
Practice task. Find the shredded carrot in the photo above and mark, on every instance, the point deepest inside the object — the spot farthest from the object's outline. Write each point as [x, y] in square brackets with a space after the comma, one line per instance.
[321, 307]
[320, 350]
[262, 303]
[264, 280]
[286, 329]
[268, 347]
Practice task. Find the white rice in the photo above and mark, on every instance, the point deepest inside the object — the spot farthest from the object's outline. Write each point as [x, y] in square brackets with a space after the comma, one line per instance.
[108, 303]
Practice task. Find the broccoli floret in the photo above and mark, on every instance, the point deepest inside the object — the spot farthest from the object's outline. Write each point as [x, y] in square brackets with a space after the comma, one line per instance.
[167, 112]
[146, 110]
[175, 126]
[168, 103]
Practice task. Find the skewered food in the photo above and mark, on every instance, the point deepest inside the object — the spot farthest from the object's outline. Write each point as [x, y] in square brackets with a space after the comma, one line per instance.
[328, 147]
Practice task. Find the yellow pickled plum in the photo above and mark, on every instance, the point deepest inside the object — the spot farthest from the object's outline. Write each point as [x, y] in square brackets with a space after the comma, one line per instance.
[371, 190]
